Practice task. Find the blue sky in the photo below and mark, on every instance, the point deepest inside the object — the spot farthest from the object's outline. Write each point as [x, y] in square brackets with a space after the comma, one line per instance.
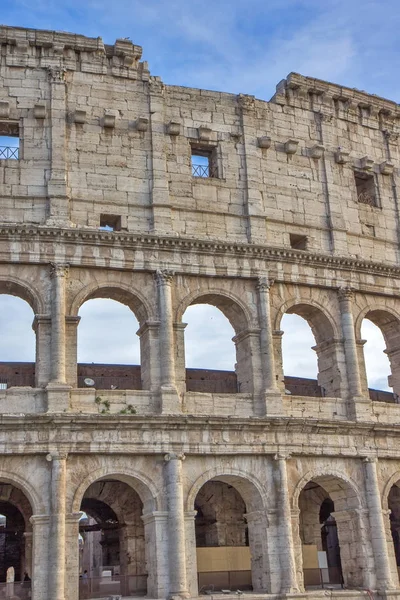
[237, 46]
[232, 46]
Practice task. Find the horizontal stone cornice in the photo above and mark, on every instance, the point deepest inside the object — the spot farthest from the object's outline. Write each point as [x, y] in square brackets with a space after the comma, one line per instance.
[128, 241]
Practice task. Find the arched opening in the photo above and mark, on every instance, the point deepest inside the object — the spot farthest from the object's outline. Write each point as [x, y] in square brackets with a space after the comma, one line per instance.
[299, 360]
[210, 353]
[17, 348]
[15, 542]
[231, 544]
[309, 353]
[108, 347]
[380, 331]
[394, 507]
[112, 541]
[330, 534]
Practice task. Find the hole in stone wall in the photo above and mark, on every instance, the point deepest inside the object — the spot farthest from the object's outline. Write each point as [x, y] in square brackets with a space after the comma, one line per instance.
[366, 188]
[298, 242]
[110, 222]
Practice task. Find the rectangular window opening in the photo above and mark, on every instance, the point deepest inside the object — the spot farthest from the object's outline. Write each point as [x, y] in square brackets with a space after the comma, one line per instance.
[298, 242]
[204, 162]
[366, 188]
[9, 140]
[3, 384]
[110, 222]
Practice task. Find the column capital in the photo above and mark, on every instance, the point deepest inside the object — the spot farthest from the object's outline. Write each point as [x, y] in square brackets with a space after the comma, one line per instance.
[246, 102]
[282, 456]
[59, 269]
[53, 456]
[39, 520]
[164, 276]
[370, 459]
[73, 517]
[264, 284]
[174, 456]
[345, 293]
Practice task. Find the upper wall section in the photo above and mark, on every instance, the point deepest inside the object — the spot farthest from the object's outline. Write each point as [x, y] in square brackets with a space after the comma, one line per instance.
[102, 143]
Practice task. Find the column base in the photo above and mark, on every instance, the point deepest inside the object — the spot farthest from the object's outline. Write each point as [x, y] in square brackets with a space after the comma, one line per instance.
[269, 404]
[359, 408]
[58, 397]
[178, 596]
[170, 402]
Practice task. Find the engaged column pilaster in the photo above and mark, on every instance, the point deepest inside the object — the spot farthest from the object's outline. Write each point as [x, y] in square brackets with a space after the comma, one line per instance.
[350, 348]
[383, 573]
[169, 397]
[58, 539]
[288, 563]
[272, 395]
[176, 525]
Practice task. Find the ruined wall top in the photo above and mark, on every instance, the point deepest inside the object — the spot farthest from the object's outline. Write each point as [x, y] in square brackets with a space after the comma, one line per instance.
[40, 48]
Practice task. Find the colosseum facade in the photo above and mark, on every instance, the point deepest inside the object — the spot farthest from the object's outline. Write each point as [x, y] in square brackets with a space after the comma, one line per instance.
[161, 197]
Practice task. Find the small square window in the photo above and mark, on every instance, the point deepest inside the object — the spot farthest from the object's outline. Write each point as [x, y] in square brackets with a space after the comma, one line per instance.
[298, 242]
[204, 162]
[366, 188]
[110, 222]
[9, 140]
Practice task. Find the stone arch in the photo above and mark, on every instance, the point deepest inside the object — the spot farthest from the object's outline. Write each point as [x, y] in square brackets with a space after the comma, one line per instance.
[250, 496]
[321, 321]
[328, 477]
[12, 478]
[245, 483]
[342, 522]
[393, 480]
[121, 292]
[388, 321]
[240, 318]
[25, 290]
[145, 488]
[326, 333]
[234, 309]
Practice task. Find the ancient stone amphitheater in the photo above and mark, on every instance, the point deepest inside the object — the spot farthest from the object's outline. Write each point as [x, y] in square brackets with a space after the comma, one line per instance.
[118, 186]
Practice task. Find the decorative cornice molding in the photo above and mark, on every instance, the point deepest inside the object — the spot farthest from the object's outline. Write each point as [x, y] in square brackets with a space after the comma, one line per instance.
[272, 254]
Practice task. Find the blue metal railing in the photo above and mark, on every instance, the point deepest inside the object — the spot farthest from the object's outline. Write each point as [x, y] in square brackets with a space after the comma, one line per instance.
[7, 152]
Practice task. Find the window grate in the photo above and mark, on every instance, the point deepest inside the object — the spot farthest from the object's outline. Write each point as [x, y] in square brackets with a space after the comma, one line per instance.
[7, 152]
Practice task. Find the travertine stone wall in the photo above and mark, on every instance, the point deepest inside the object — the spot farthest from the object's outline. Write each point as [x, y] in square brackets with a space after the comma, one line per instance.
[279, 228]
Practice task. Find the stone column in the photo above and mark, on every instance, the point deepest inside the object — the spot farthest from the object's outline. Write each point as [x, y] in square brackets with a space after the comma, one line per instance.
[271, 392]
[176, 525]
[72, 555]
[159, 191]
[40, 556]
[57, 182]
[350, 350]
[251, 163]
[28, 553]
[42, 327]
[156, 550]
[59, 275]
[288, 563]
[377, 526]
[150, 364]
[58, 538]
[169, 397]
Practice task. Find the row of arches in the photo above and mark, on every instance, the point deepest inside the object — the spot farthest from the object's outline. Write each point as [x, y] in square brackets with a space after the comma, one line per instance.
[233, 540]
[106, 336]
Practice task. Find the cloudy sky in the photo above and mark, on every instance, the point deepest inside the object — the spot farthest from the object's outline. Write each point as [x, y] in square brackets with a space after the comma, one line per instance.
[238, 47]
